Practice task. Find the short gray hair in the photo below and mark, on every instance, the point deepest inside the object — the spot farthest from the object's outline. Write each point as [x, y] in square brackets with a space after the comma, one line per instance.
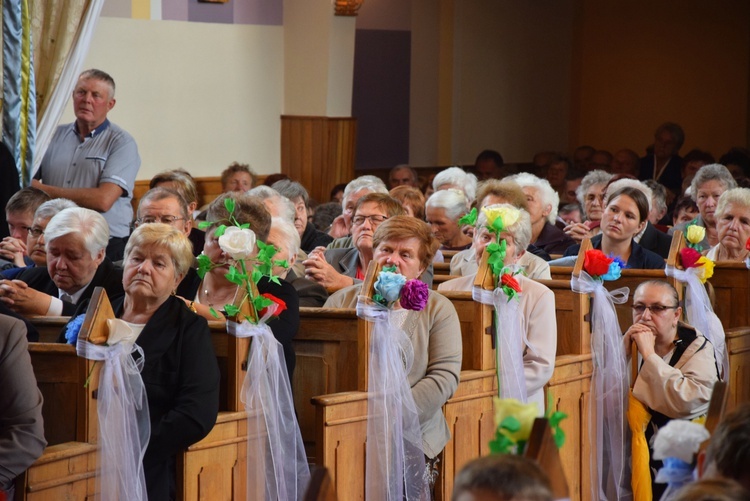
[453, 201]
[738, 196]
[159, 193]
[459, 177]
[50, 208]
[616, 186]
[372, 183]
[91, 225]
[289, 233]
[549, 195]
[285, 208]
[521, 229]
[659, 192]
[712, 172]
[291, 190]
[592, 178]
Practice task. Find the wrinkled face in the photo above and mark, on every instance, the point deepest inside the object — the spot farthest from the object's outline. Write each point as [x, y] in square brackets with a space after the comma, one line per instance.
[664, 323]
[35, 246]
[239, 182]
[300, 215]
[213, 251]
[278, 240]
[167, 211]
[593, 202]
[556, 173]
[401, 177]
[733, 227]
[707, 196]
[69, 263]
[19, 223]
[665, 144]
[685, 215]
[364, 223]
[149, 273]
[482, 238]
[537, 209]
[92, 101]
[444, 228]
[403, 254]
[350, 203]
[621, 219]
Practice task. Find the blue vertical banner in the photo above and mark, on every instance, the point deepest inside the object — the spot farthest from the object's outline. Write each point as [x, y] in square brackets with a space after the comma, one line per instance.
[19, 89]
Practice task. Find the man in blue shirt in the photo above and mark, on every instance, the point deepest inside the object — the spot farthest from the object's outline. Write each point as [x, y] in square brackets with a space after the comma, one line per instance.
[92, 161]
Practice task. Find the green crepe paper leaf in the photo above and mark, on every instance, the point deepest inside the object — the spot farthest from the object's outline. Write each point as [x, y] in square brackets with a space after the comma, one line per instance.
[204, 224]
[559, 436]
[229, 205]
[245, 226]
[220, 231]
[501, 444]
[214, 313]
[257, 276]
[493, 247]
[235, 276]
[391, 268]
[231, 310]
[204, 265]
[497, 225]
[281, 262]
[260, 302]
[511, 423]
[556, 417]
[470, 218]
[275, 279]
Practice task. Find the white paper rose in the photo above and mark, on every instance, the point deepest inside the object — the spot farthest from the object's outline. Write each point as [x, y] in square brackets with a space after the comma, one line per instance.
[238, 242]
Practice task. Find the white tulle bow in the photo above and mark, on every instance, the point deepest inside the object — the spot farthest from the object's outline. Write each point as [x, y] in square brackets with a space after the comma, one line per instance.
[609, 390]
[395, 467]
[124, 426]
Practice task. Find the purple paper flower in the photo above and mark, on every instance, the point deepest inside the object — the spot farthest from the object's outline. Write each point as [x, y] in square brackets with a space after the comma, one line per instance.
[414, 295]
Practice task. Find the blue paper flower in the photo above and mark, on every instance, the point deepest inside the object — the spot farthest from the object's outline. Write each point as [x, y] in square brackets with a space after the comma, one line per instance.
[73, 328]
[614, 271]
[389, 284]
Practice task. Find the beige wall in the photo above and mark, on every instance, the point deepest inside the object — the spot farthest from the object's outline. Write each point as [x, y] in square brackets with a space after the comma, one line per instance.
[194, 95]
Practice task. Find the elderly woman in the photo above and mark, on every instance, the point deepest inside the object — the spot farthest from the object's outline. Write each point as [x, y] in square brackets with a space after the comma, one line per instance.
[537, 302]
[590, 195]
[732, 225]
[183, 183]
[408, 244]
[284, 236]
[214, 291]
[341, 227]
[76, 240]
[180, 371]
[708, 185]
[541, 202]
[35, 247]
[411, 199]
[678, 371]
[310, 237]
[625, 215]
[457, 179]
[443, 210]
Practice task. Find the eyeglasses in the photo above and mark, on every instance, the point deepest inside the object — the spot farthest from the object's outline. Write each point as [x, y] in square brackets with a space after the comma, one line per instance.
[36, 232]
[161, 219]
[375, 219]
[655, 309]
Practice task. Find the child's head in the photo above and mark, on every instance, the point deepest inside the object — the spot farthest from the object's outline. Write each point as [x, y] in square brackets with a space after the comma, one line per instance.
[502, 478]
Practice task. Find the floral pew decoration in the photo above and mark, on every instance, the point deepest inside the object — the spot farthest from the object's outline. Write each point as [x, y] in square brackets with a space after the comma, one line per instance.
[693, 269]
[609, 382]
[395, 466]
[276, 459]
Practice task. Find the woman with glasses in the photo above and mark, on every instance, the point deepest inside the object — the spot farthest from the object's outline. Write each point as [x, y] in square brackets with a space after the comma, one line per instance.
[677, 369]
[336, 269]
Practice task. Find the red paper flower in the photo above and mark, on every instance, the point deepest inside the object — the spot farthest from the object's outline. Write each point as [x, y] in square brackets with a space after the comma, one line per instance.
[280, 302]
[508, 281]
[595, 263]
[689, 257]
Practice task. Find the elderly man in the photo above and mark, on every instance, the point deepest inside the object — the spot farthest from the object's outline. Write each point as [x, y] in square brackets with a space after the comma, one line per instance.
[168, 206]
[92, 161]
[76, 240]
[403, 175]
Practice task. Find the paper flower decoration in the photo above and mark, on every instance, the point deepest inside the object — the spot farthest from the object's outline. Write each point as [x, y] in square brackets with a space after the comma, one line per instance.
[391, 287]
[514, 421]
[414, 295]
[499, 218]
[695, 234]
[596, 264]
[238, 242]
[691, 258]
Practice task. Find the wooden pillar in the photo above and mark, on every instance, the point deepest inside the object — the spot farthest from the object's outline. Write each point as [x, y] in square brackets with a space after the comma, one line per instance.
[318, 152]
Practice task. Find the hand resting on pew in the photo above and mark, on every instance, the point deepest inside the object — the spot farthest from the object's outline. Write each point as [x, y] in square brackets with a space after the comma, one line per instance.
[22, 299]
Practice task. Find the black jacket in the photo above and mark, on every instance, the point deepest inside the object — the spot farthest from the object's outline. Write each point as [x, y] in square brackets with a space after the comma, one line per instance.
[656, 241]
[312, 238]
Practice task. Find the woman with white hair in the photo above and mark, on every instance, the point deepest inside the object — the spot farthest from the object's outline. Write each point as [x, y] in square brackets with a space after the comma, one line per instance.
[732, 226]
[590, 195]
[458, 179]
[443, 210]
[76, 240]
[537, 301]
[285, 237]
[542, 201]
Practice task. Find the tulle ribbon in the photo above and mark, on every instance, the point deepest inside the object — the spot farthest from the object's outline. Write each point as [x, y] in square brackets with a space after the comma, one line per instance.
[510, 343]
[609, 390]
[701, 315]
[395, 467]
[675, 473]
[276, 461]
[124, 425]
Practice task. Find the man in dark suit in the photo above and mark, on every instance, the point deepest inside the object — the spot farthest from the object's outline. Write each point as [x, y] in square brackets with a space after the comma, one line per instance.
[665, 164]
[655, 240]
[76, 240]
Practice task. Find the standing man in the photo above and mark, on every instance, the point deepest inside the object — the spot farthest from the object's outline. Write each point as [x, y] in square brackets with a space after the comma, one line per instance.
[92, 161]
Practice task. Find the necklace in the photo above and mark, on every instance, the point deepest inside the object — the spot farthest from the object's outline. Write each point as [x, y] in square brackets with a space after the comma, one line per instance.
[221, 299]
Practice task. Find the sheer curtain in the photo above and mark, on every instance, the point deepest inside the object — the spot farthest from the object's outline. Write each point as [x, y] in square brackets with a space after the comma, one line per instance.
[62, 32]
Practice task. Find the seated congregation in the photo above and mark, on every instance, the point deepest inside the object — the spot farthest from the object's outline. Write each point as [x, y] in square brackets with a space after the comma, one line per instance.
[274, 341]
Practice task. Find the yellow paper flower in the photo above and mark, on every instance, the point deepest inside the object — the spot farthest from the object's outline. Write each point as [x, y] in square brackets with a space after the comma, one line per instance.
[524, 413]
[707, 268]
[508, 215]
[695, 234]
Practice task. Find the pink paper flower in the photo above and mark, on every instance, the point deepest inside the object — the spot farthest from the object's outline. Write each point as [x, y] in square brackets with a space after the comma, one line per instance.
[414, 295]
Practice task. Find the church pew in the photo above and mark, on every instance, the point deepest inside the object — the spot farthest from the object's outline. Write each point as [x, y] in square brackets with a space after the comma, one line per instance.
[49, 328]
[738, 348]
[442, 268]
[731, 284]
